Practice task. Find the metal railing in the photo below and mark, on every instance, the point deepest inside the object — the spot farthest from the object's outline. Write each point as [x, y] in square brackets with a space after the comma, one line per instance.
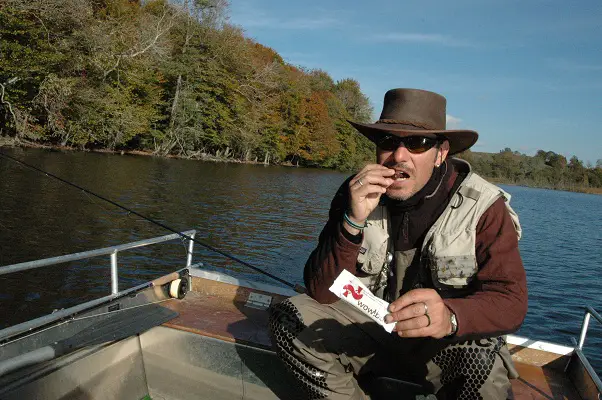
[589, 312]
[112, 252]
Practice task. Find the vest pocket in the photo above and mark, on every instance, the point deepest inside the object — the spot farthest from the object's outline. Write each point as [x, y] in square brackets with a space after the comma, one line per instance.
[373, 252]
[372, 260]
[453, 271]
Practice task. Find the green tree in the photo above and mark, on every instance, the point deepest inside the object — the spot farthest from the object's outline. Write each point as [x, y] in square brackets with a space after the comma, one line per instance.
[28, 53]
[355, 102]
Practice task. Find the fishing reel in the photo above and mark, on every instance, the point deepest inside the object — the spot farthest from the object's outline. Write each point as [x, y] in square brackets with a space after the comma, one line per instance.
[178, 288]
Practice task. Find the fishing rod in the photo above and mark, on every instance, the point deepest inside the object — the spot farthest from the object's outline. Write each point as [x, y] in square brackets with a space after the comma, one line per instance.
[298, 288]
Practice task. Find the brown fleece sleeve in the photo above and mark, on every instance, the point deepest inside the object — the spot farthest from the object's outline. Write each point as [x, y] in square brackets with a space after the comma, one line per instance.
[499, 305]
[336, 250]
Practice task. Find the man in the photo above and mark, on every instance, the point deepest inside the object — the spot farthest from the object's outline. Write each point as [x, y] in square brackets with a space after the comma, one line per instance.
[426, 234]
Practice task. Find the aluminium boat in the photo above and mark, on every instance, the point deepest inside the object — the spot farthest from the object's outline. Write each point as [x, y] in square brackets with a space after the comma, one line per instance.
[200, 334]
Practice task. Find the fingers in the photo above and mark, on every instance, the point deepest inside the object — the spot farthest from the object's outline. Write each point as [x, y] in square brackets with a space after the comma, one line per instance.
[370, 182]
[434, 325]
[413, 297]
[366, 188]
[371, 179]
[416, 327]
[420, 313]
[377, 167]
[414, 312]
[363, 188]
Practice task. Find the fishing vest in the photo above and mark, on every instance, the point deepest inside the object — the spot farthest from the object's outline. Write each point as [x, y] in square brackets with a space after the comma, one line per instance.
[449, 247]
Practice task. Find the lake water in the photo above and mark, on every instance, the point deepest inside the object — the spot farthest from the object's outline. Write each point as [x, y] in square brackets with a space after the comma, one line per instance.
[267, 216]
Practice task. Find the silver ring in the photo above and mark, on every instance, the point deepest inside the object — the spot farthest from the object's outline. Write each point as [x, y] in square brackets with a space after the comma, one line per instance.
[426, 310]
[429, 318]
[360, 182]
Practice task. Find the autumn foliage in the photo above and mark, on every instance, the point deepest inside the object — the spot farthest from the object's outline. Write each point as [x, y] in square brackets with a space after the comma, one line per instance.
[171, 78]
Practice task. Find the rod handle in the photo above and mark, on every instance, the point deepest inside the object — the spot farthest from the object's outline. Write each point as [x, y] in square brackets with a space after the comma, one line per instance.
[165, 279]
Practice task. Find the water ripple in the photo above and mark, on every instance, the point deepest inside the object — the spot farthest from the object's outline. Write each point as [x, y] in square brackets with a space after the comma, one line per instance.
[268, 216]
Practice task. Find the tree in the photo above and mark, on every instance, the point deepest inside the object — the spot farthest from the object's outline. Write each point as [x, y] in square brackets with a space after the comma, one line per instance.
[316, 135]
[577, 171]
[320, 81]
[28, 52]
[556, 161]
[356, 103]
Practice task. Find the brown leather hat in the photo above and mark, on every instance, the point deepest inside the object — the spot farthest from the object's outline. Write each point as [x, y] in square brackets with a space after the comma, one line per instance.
[410, 112]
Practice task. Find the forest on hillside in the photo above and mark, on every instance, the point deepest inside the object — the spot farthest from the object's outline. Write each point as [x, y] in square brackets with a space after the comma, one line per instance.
[545, 170]
[171, 78]
[174, 78]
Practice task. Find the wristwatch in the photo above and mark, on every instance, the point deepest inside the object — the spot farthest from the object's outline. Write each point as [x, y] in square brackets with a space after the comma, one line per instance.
[454, 323]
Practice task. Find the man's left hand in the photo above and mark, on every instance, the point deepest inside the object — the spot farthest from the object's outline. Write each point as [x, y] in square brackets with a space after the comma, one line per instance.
[420, 313]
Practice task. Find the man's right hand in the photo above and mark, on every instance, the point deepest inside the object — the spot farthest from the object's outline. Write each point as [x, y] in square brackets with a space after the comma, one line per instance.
[365, 190]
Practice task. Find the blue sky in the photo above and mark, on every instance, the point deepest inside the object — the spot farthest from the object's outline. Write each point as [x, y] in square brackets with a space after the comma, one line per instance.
[524, 74]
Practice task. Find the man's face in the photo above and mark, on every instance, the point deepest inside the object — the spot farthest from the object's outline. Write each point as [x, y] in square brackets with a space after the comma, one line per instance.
[415, 169]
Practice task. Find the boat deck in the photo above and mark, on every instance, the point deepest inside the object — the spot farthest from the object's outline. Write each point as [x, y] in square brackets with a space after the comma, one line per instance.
[214, 310]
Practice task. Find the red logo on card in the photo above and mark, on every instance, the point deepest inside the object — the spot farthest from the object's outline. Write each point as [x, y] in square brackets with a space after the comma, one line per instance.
[350, 289]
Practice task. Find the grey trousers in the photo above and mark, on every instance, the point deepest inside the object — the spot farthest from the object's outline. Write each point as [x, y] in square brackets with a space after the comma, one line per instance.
[330, 347]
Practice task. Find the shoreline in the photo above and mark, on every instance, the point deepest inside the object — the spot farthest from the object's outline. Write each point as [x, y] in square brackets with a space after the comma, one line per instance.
[9, 142]
[589, 190]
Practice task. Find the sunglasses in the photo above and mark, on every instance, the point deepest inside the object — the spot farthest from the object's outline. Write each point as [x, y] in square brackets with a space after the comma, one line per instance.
[414, 144]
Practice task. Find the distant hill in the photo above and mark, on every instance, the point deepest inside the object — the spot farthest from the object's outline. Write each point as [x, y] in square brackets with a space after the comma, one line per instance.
[546, 169]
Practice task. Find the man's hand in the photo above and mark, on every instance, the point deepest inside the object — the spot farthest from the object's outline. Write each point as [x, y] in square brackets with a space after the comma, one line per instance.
[365, 190]
[420, 313]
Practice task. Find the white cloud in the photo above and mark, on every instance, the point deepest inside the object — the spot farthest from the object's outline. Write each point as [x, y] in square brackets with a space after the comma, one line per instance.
[424, 38]
[452, 122]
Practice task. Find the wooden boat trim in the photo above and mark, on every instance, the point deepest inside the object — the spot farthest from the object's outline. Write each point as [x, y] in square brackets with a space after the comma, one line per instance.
[224, 278]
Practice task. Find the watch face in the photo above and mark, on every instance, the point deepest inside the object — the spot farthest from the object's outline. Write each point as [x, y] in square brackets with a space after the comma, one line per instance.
[454, 323]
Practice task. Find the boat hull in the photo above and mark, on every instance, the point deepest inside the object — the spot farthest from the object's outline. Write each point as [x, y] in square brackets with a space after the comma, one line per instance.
[218, 347]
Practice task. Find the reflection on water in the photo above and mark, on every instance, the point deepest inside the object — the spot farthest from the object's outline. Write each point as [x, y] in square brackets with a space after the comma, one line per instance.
[267, 216]
[562, 252]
